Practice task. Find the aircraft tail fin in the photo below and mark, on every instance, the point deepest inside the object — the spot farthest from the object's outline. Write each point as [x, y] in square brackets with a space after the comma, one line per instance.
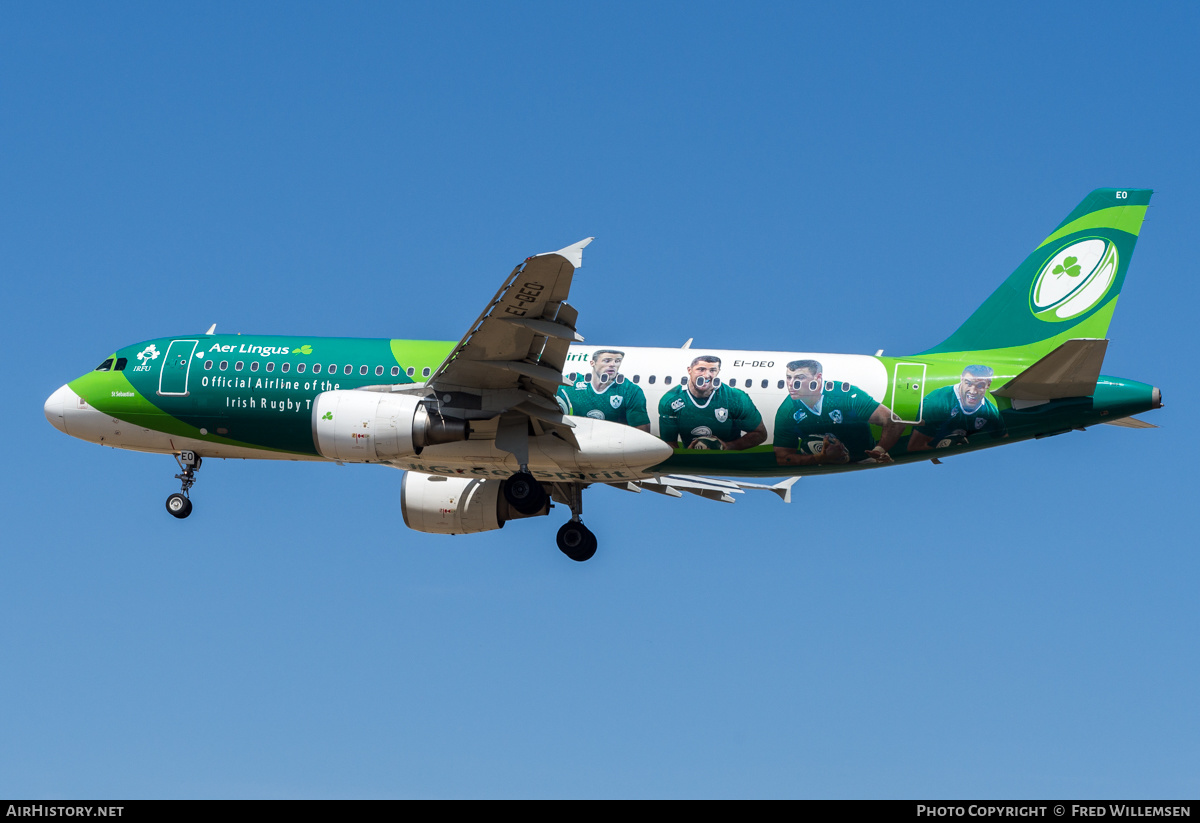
[1067, 288]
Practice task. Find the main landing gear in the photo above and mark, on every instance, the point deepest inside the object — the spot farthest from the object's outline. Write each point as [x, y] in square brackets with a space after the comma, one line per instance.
[526, 495]
[575, 540]
[179, 504]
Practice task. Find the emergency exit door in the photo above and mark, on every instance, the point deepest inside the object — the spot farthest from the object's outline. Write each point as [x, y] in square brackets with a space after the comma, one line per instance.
[173, 381]
[908, 392]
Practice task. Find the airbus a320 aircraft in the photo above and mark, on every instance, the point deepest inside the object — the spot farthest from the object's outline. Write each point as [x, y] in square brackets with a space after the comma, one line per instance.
[520, 413]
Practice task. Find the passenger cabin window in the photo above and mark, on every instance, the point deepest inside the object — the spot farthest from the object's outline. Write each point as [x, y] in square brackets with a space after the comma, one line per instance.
[765, 384]
[224, 365]
[106, 365]
[253, 365]
[411, 371]
[285, 368]
[349, 369]
[667, 380]
[121, 363]
[270, 365]
[299, 368]
[378, 371]
[316, 368]
[425, 372]
[637, 378]
[237, 366]
[395, 371]
[781, 384]
[362, 370]
[845, 386]
[208, 364]
[650, 380]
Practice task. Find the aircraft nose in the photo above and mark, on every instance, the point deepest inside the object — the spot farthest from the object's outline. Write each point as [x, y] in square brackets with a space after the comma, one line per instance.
[56, 405]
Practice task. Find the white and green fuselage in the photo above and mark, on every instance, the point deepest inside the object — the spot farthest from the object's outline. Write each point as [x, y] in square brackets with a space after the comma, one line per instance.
[245, 396]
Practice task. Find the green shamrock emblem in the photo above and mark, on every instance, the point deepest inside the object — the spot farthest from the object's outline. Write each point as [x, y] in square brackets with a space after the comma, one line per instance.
[1069, 267]
[305, 349]
[328, 416]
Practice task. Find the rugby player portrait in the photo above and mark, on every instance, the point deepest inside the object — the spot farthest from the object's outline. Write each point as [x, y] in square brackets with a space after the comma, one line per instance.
[607, 395]
[707, 414]
[823, 423]
[952, 414]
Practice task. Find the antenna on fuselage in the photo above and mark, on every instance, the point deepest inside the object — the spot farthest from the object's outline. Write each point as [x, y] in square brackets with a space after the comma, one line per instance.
[212, 329]
[688, 344]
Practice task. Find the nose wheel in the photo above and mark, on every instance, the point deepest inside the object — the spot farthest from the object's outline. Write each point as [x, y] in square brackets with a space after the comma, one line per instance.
[179, 504]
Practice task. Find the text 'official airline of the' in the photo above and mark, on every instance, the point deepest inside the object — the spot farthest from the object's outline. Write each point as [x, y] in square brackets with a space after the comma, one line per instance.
[519, 412]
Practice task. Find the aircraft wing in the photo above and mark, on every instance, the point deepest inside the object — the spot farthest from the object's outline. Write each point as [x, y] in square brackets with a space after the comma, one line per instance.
[511, 360]
[520, 339]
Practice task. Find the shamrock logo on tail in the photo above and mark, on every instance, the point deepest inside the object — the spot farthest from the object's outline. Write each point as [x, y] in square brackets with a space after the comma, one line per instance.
[328, 416]
[1069, 267]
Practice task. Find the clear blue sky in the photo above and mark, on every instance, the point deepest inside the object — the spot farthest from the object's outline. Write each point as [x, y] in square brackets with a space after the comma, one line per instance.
[1015, 623]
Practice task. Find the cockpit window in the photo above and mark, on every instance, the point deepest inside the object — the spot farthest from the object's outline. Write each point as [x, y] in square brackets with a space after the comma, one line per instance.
[121, 363]
[106, 365]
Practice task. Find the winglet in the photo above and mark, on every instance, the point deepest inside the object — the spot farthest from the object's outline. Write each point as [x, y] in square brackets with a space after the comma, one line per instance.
[573, 253]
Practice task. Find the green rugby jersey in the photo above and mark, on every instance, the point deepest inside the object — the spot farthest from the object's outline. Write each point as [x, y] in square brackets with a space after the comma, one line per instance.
[844, 415]
[947, 423]
[621, 402]
[727, 414]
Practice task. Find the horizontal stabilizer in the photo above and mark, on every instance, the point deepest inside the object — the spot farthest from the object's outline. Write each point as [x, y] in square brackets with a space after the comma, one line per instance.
[1130, 423]
[710, 488]
[1071, 370]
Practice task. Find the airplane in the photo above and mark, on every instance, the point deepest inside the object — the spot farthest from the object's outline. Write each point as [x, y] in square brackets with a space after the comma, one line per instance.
[520, 414]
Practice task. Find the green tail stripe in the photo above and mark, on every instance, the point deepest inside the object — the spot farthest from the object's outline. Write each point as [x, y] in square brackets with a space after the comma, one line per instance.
[1066, 288]
[1123, 218]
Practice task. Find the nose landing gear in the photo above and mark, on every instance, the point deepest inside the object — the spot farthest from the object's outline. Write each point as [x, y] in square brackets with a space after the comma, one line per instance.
[180, 505]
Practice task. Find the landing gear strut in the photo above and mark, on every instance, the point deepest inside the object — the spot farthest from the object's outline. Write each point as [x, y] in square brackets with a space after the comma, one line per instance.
[179, 504]
[575, 540]
[524, 493]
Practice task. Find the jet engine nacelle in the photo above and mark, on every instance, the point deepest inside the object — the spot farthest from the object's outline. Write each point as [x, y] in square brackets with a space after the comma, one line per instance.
[357, 426]
[455, 505]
